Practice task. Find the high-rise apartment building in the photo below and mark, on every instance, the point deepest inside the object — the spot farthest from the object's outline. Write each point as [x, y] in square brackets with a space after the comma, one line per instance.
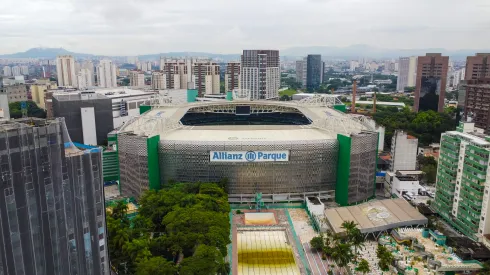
[178, 72]
[106, 74]
[403, 151]
[7, 71]
[84, 79]
[24, 70]
[430, 85]
[205, 76]
[301, 71]
[463, 184]
[136, 79]
[89, 65]
[158, 81]
[232, 76]
[52, 207]
[407, 73]
[65, 68]
[260, 73]
[16, 71]
[314, 71]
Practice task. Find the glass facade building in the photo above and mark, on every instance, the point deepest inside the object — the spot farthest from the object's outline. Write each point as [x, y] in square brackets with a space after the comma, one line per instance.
[52, 218]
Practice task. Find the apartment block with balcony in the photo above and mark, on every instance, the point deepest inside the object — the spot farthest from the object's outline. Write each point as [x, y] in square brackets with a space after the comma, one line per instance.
[463, 182]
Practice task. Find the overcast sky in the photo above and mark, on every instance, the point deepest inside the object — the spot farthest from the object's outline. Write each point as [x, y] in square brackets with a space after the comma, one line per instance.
[131, 27]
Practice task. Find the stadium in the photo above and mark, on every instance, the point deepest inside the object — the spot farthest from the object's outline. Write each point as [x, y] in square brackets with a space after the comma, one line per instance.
[286, 150]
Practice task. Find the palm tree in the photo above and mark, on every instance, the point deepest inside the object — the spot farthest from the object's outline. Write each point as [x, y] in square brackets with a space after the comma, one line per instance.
[363, 267]
[119, 210]
[342, 254]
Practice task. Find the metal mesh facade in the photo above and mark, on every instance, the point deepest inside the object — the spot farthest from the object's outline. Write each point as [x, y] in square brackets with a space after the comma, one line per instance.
[133, 164]
[312, 166]
[52, 210]
[362, 166]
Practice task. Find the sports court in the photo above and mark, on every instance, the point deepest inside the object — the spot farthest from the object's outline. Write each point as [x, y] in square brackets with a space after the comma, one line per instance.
[265, 253]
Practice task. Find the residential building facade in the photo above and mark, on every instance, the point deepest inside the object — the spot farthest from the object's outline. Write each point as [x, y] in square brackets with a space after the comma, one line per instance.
[65, 68]
[430, 85]
[106, 74]
[205, 76]
[232, 76]
[403, 151]
[260, 73]
[84, 80]
[136, 79]
[52, 207]
[301, 71]
[158, 81]
[463, 183]
[407, 72]
[16, 92]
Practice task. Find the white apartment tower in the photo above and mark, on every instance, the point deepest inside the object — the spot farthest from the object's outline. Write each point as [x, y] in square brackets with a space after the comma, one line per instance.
[158, 81]
[206, 77]
[106, 74]
[7, 71]
[177, 72]
[260, 73]
[403, 151]
[16, 71]
[65, 68]
[84, 79]
[232, 76]
[136, 79]
[407, 73]
[89, 65]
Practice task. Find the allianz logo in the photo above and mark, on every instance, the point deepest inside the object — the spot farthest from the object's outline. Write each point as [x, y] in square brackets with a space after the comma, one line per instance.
[250, 156]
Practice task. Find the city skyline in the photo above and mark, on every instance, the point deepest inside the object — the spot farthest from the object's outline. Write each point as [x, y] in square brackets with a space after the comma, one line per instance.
[130, 28]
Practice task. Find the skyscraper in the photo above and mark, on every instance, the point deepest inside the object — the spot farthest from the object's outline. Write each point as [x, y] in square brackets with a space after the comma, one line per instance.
[7, 71]
[232, 76]
[430, 85]
[477, 91]
[52, 210]
[16, 71]
[301, 72]
[84, 79]
[87, 64]
[314, 71]
[260, 73]
[65, 68]
[106, 74]
[407, 73]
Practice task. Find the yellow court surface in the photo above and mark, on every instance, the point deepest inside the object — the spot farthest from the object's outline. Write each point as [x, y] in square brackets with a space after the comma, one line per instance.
[265, 253]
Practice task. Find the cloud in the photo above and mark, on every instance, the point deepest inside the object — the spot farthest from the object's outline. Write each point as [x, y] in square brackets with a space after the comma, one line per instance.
[130, 27]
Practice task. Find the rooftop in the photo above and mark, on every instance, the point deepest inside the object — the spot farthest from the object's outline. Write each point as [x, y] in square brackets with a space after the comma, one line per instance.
[375, 216]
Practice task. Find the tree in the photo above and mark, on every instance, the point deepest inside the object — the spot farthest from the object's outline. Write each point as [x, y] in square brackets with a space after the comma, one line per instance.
[342, 254]
[385, 257]
[156, 266]
[206, 260]
[317, 243]
[363, 266]
[32, 110]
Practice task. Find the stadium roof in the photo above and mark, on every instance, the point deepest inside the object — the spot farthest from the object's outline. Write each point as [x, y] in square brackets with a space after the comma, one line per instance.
[165, 119]
[375, 216]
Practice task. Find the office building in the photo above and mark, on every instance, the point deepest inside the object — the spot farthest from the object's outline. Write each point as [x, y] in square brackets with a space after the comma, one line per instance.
[205, 76]
[260, 73]
[136, 79]
[232, 76]
[52, 206]
[90, 115]
[65, 68]
[403, 151]
[7, 71]
[463, 185]
[407, 73]
[158, 81]
[477, 103]
[301, 71]
[106, 74]
[314, 71]
[430, 84]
